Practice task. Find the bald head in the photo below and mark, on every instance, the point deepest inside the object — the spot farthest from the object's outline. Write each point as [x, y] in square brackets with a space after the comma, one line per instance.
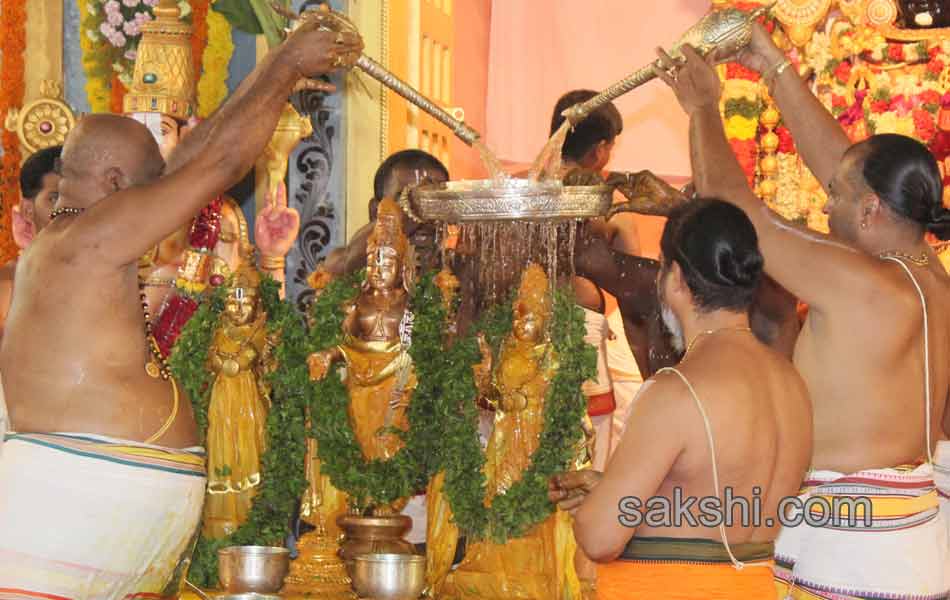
[104, 154]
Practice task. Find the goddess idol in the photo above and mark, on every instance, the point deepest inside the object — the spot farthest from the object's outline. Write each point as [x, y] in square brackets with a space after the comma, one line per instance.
[540, 564]
[238, 407]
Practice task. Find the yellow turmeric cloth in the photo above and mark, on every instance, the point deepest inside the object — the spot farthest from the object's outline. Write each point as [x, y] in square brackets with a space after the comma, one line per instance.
[237, 416]
[687, 569]
[380, 380]
[540, 564]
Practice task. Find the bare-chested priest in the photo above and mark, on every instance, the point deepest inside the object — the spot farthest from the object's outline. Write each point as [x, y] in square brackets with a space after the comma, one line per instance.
[100, 495]
[731, 420]
[875, 348]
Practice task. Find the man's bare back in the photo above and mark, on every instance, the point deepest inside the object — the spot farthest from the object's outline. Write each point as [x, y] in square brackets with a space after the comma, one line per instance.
[74, 354]
[758, 407]
[861, 351]
[865, 368]
[756, 403]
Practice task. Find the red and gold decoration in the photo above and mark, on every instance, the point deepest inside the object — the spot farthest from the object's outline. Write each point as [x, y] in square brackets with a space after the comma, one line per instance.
[12, 45]
[874, 75]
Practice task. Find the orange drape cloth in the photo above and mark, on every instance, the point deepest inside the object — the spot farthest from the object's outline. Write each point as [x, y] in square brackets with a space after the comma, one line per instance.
[634, 580]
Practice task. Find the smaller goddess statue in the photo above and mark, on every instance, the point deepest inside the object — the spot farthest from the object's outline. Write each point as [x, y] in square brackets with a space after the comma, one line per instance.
[237, 411]
[538, 565]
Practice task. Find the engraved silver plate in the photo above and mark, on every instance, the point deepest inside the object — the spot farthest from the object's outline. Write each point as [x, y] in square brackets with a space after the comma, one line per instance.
[509, 200]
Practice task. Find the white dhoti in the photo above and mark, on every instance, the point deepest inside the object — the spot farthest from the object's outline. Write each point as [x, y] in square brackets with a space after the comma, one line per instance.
[601, 403]
[84, 516]
[624, 373]
[901, 552]
[942, 479]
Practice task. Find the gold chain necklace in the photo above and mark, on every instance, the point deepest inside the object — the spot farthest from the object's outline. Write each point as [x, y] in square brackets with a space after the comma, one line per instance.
[709, 332]
[921, 261]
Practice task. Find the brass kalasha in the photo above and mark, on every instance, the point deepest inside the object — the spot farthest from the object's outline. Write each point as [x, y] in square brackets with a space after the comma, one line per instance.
[725, 31]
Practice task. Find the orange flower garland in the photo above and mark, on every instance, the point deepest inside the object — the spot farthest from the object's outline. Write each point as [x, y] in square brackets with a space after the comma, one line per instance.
[116, 95]
[199, 31]
[12, 46]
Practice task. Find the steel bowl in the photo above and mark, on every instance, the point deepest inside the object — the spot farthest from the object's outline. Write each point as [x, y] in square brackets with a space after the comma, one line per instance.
[389, 576]
[259, 569]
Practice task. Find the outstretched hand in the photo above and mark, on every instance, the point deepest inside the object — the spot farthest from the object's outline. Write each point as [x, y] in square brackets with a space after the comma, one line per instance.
[277, 225]
[693, 78]
[568, 490]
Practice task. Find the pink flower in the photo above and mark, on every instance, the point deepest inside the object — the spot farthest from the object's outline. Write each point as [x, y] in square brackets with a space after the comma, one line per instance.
[142, 18]
[115, 19]
[130, 54]
[118, 40]
[131, 28]
[107, 30]
[112, 7]
[130, 3]
[151, 2]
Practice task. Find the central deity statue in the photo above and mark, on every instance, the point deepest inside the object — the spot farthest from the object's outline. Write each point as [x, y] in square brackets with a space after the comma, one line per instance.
[377, 328]
[213, 246]
[540, 564]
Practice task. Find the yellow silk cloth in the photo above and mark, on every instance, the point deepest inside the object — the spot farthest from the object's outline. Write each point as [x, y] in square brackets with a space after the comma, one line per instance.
[442, 534]
[380, 380]
[539, 565]
[236, 426]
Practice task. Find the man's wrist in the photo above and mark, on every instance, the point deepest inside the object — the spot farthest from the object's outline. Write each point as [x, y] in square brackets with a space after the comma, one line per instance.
[273, 263]
[707, 109]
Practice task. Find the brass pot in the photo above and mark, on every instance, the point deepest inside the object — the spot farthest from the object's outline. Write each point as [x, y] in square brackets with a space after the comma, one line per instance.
[373, 535]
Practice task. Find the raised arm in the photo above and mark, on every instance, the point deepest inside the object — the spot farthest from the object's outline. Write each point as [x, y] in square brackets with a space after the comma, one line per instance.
[216, 154]
[818, 136]
[812, 266]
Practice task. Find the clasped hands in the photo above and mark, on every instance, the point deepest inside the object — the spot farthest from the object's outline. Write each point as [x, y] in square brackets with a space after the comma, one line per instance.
[568, 490]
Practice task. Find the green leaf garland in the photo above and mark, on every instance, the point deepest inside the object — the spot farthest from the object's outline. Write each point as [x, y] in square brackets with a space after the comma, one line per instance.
[282, 464]
[526, 503]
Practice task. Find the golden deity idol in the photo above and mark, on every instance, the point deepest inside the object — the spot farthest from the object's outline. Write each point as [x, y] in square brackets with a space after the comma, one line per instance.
[379, 380]
[379, 373]
[238, 408]
[538, 565]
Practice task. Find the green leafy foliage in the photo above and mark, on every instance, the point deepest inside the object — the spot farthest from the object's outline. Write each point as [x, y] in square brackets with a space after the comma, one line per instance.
[526, 503]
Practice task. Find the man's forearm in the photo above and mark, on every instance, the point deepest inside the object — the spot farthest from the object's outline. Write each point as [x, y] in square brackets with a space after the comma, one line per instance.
[716, 171]
[818, 136]
[235, 134]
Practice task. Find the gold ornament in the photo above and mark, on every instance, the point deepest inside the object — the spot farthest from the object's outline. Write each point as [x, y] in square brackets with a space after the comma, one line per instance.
[291, 128]
[163, 80]
[388, 230]
[44, 122]
[881, 12]
[800, 17]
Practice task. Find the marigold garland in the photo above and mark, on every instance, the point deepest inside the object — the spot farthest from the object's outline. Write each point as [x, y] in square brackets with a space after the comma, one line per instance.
[199, 31]
[12, 46]
[213, 84]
